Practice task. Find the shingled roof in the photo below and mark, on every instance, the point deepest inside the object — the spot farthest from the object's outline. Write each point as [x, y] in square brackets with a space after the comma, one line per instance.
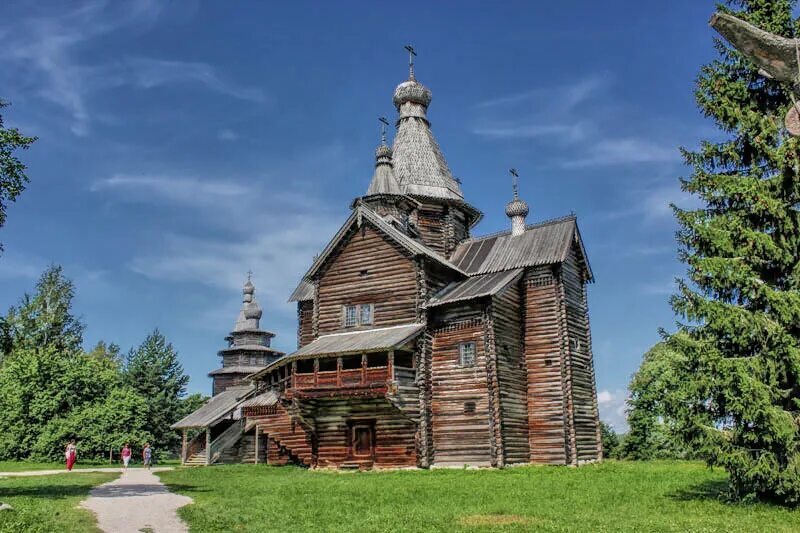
[475, 287]
[542, 244]
[216, 408]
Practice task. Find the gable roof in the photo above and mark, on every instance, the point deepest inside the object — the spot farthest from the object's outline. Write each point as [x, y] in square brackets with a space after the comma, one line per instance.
[361, 212]
[542, 244]
[303, 292]
[475, 287]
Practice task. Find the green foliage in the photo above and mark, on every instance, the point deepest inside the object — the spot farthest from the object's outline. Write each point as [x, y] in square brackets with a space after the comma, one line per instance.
[650, 436]
[610, 440]
[12, 171]
[44, 318]
[737, 394]
[153, 370]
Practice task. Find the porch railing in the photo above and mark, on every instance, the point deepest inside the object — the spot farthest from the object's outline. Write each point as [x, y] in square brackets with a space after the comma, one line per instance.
[226, 439]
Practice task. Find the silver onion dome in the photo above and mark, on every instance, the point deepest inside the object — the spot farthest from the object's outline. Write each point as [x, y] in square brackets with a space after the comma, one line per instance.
[412, 91]
[517, 208]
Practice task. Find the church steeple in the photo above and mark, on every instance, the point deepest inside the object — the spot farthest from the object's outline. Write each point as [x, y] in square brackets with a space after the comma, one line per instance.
[516, 209]
[384, 180]
[419, 164]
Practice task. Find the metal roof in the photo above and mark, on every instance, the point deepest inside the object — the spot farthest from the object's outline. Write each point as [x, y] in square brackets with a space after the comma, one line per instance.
[475, 287]
[351, 342]
[236, 370]
[215, 408]
[303, 292]
[541, 244]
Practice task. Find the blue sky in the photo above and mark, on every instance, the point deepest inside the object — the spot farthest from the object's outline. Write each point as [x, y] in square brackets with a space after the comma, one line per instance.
[184, 143]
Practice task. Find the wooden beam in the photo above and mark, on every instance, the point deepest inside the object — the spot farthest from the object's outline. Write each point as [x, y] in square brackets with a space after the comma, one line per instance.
[208, 446]
[183, 447]
[256, 450]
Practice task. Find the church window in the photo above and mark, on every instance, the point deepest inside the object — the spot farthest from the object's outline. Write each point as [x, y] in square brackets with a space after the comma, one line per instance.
[365, 314]
[350, 316]
[466, 354]
[357, 315]
[253, 361]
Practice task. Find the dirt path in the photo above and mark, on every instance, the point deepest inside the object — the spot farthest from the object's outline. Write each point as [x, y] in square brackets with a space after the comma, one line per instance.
[136, 501]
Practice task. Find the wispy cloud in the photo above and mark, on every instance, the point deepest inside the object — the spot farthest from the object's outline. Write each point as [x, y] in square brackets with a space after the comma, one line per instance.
[47, 53]
[573, 120]
[226, 134]
[178, 189]
[624, 151]
[665, 288]
[653, 204]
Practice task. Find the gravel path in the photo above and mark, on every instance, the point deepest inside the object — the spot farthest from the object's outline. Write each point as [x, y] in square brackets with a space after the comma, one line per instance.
[136, 501]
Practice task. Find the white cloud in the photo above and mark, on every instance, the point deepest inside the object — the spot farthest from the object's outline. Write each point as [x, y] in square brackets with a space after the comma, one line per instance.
[46, 52]
[623, 151]
[177, 189]
[612, 406]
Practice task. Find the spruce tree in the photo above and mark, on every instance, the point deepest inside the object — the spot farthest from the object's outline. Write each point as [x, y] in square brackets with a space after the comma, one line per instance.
[737, 399]
[153, 370]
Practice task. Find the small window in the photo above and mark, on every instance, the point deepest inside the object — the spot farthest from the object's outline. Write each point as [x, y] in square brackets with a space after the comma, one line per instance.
[350, 316]
[466, 354]
[469, 408]
[403, 360]
[365, 314]
[253, 360]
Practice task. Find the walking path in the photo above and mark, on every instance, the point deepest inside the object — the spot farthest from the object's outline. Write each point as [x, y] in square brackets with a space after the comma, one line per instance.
[134, 502]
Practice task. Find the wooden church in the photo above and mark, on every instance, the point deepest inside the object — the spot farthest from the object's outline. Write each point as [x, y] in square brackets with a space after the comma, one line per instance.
[420, 344]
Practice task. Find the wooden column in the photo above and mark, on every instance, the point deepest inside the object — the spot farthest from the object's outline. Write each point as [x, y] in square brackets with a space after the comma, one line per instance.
[183, 447]
[390, 366]
[363, 369]
[316, 372]
[294, 371]
[208, 446]
[256, 450]
[338, 371]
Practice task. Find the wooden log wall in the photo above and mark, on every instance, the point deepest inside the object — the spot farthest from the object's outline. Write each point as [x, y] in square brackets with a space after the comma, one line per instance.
[305, 323]
[459, 398]
[512, 375]
[441, 226]
[224, 381]
[544, 362]
[394, 433]
[581, 371]
[288, 441]
[367, 269]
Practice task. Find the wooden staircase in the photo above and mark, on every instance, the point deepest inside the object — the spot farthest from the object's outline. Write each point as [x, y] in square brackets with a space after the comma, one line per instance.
[289, 442]
[196, 459]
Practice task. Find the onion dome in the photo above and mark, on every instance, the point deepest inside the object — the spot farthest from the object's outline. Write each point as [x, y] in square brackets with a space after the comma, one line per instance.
[250, 314]
[411, 91]
[384, 180]
[517, 208]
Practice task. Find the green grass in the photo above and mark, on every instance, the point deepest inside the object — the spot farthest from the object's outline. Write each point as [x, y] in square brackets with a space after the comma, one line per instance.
[20, 466]
[613, 496]
[49, 503]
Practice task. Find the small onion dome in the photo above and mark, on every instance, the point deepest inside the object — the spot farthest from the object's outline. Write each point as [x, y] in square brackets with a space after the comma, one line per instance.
[517, 208]
[411, 91]
[383, 154]
[249, 288]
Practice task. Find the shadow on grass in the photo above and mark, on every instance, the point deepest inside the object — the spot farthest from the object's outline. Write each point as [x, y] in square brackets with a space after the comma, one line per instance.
[716, 490]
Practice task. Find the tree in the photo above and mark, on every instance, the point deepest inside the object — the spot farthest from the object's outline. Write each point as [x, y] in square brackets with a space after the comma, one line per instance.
[45, 318]
[737, 397]
[12, 171]
[153, 370]
[650, 436]
[610, 440]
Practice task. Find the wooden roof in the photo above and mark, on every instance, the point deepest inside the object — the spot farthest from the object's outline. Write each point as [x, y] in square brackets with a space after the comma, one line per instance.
[216, 408]
[475, 287]
[541, 244]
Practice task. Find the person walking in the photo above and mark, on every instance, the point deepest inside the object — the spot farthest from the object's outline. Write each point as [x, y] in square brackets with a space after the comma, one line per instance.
[126, 456]
[71, 454]
[147, 455]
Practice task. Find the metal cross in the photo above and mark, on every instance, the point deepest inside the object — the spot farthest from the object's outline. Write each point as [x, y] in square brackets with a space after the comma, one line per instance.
[249, 274]
[514, 181]
[384, 125]
[411, 54]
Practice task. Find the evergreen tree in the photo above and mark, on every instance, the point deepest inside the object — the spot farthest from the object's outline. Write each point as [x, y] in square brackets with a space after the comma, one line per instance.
[610, 440]
[45, 318]
[737, 395]
[12, 171]
[154, 372]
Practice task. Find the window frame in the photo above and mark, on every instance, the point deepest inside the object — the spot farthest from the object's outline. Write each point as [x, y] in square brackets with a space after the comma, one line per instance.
[462, 350]
[358, 317]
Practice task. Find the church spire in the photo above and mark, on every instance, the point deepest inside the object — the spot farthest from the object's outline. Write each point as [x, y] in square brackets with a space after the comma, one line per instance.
[384, 180]
[516, 209]
[250, 314]
[419, 164]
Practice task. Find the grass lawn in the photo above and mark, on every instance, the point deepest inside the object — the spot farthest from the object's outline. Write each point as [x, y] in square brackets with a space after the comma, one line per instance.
[613, 496]
[49, 503]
